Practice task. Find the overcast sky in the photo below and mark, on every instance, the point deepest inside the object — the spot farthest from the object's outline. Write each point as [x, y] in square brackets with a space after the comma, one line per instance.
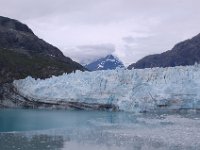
[88, 29]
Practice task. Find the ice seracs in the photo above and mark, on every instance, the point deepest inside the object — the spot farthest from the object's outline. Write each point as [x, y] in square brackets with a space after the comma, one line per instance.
[173, 88]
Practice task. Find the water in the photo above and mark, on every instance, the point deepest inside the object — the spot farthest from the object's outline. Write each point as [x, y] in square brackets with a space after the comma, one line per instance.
[95, 130]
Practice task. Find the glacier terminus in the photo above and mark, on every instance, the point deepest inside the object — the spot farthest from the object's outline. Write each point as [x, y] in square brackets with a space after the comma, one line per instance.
[136, 90]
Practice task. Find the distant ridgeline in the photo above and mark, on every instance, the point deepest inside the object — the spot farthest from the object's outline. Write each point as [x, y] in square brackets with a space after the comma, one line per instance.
[184, 53]
[109, 62]
[22, 54]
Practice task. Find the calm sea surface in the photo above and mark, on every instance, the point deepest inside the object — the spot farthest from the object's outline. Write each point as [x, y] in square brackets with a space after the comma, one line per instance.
[95, 130]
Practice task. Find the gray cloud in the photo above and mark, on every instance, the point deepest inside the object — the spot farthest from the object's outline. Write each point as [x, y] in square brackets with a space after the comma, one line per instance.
[99, 48]
[129, 39]
[134, 28]
[88, 53]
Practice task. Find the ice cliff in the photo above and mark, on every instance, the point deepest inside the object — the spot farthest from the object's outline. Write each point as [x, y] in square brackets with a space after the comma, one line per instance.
[173, 88]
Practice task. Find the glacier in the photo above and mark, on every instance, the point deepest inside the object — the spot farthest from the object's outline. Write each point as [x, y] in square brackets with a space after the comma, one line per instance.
[136, 90]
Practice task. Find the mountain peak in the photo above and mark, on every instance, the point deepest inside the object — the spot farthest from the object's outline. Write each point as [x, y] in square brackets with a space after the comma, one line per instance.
[23, 54]
[11, 24]
[182, 54]
[106, 63]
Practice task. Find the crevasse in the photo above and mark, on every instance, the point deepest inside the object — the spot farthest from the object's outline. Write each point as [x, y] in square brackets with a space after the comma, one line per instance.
[172, 88]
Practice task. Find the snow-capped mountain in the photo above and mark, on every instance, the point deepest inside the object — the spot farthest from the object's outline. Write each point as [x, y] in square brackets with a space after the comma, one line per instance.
[156, 89]
[109, 62]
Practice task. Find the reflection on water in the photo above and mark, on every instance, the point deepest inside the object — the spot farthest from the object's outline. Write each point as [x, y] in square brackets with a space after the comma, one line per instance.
[93, 130]
[9, 141]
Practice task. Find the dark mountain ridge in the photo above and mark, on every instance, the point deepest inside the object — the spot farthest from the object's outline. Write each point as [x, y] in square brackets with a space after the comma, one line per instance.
[182, 54]
[22, 53]
[12, 24]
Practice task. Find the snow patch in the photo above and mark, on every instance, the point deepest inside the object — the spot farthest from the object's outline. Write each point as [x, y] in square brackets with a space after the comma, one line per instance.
[99, 66]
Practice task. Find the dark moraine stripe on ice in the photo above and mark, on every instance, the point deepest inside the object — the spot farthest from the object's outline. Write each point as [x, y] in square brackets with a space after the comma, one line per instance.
[10, 98]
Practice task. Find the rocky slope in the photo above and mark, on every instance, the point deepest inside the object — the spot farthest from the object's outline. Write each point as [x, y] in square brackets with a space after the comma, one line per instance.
[22, 53]
[184, 53]
[107, 63]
